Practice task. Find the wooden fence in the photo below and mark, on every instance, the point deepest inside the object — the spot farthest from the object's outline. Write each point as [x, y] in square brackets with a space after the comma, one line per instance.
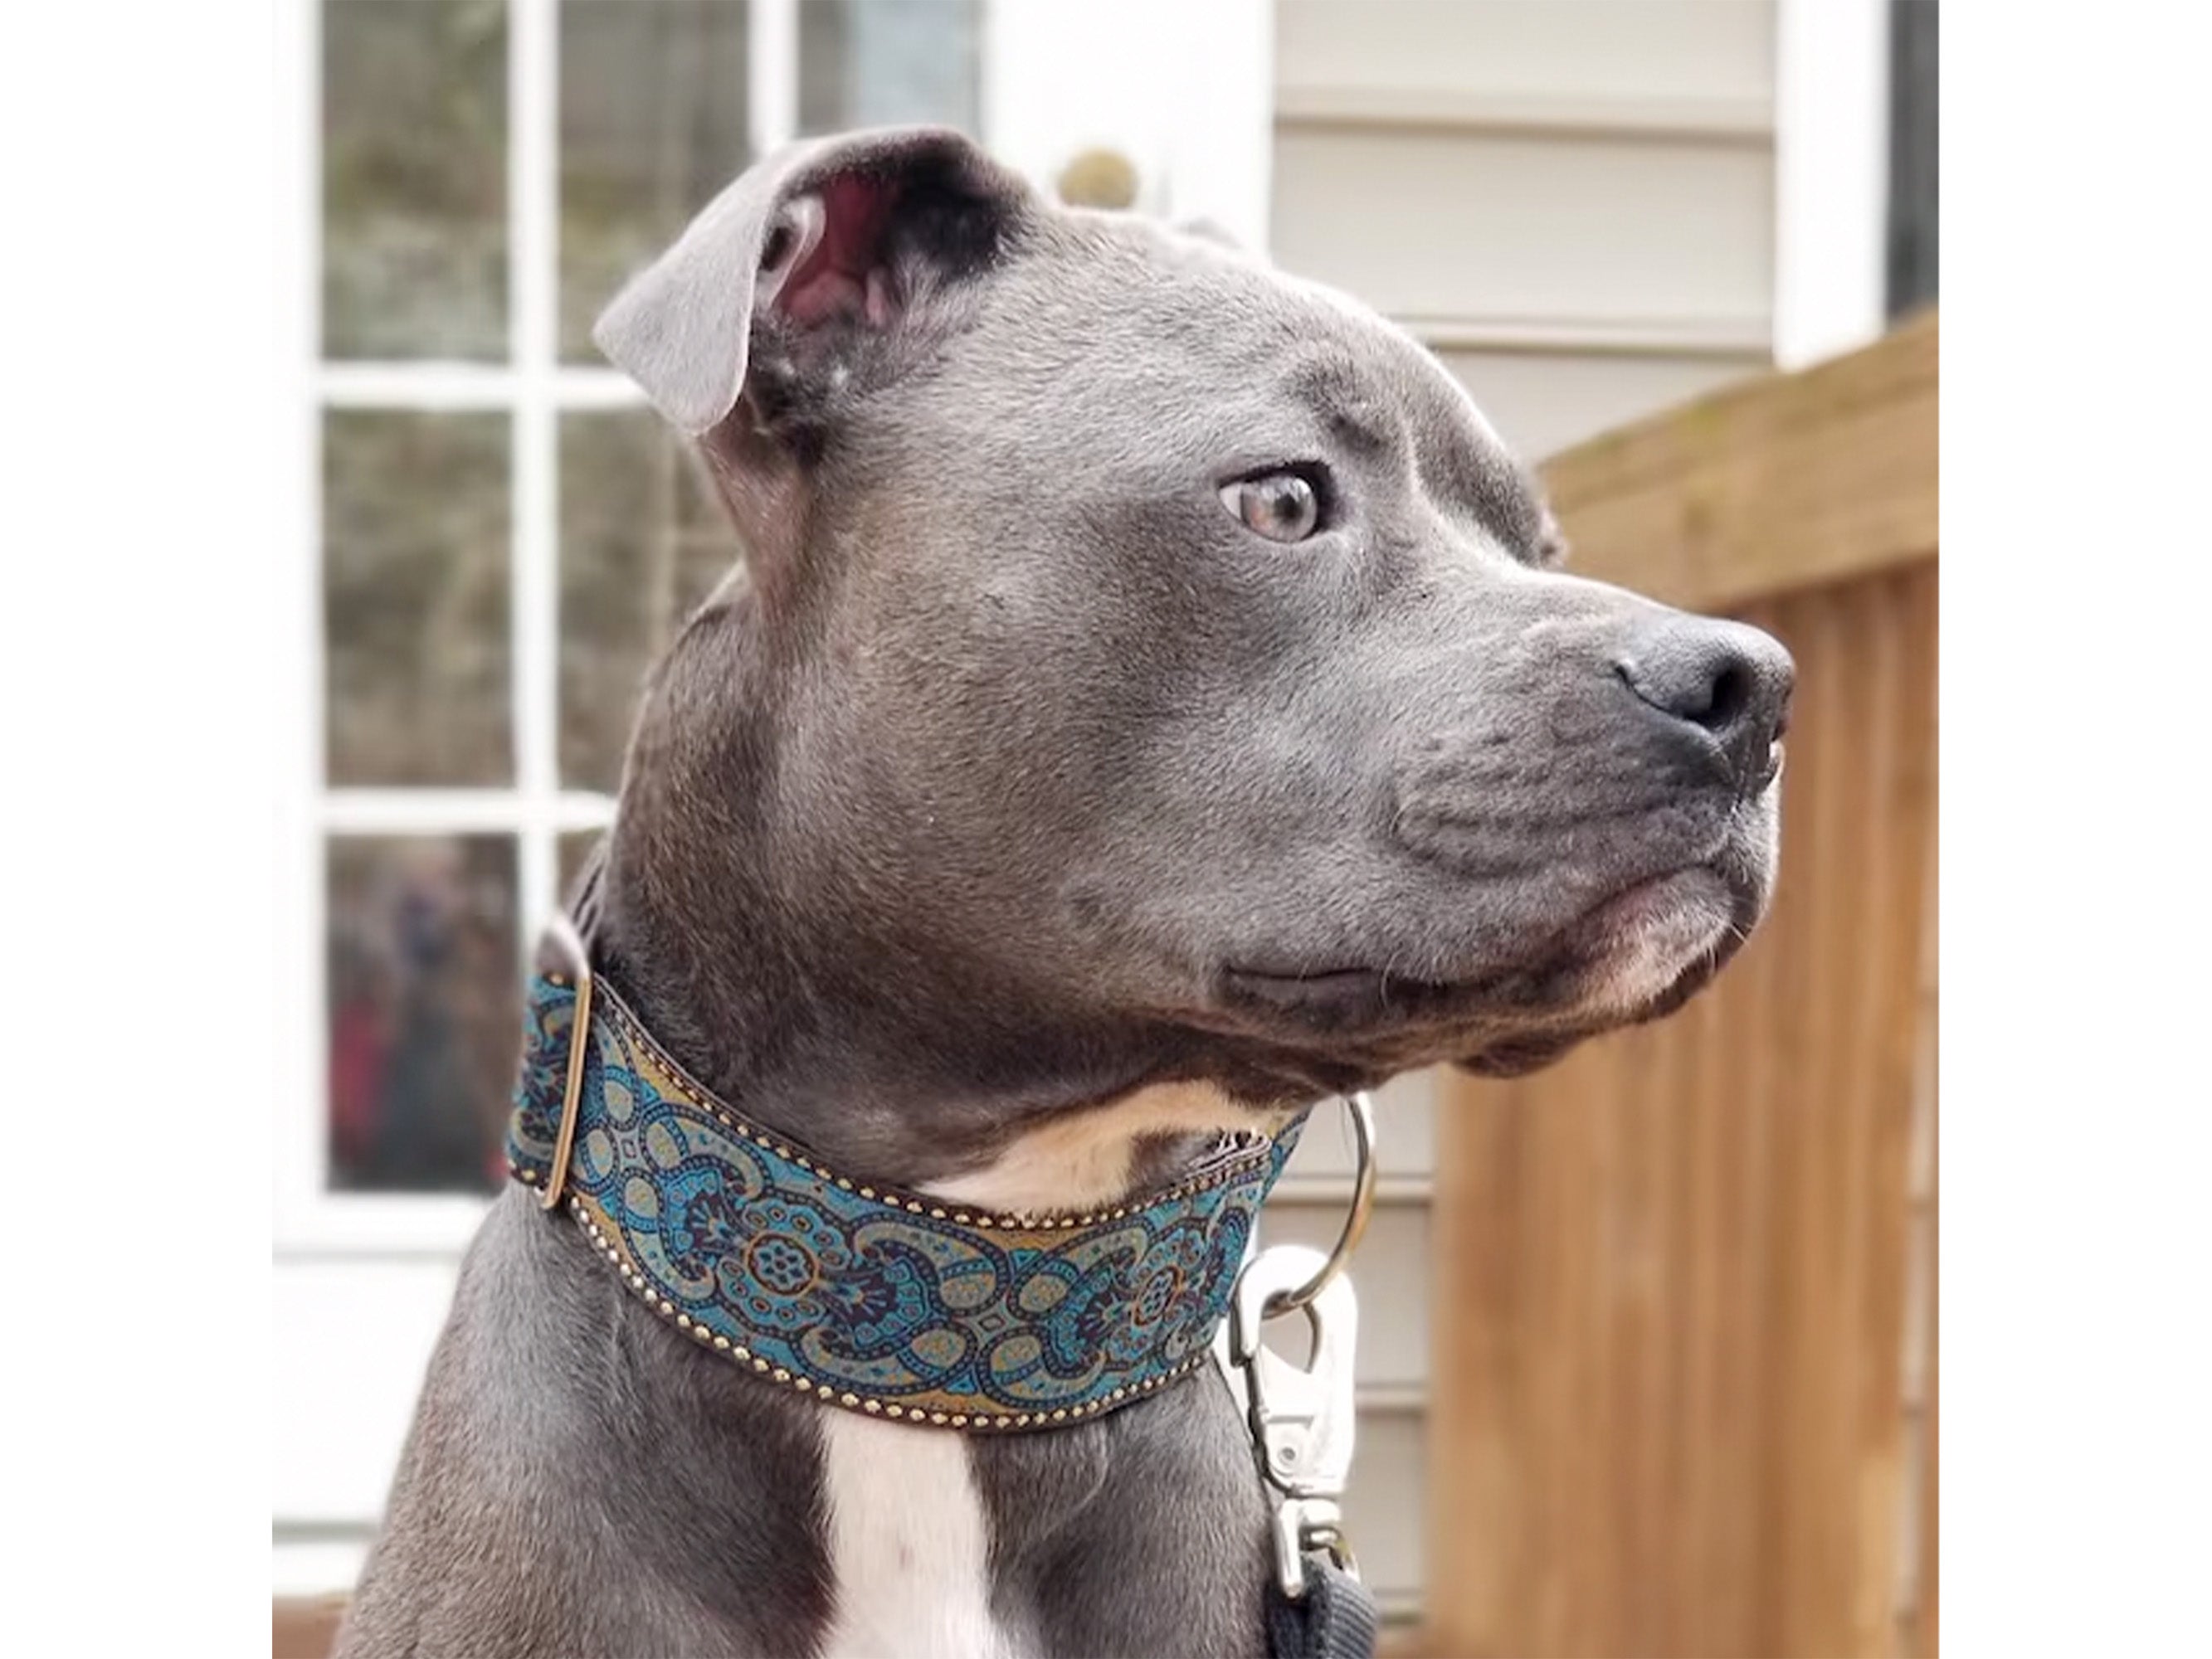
[1684, 1380]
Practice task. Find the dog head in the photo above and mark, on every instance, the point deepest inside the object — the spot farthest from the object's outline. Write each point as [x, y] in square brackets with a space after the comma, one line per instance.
[1147, 661]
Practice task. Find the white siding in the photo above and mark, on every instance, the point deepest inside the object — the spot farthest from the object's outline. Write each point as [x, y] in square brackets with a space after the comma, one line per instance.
[1481, 228]
[1542, 402]
[1630, 50]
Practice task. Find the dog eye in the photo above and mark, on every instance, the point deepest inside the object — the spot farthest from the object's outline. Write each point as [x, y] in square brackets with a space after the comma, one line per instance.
[1284, 506]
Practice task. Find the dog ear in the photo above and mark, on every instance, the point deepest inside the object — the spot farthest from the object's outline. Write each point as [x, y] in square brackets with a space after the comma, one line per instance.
[826, 240]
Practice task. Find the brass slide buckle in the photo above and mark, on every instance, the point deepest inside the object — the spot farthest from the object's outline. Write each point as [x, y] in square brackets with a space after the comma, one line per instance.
[563, 932]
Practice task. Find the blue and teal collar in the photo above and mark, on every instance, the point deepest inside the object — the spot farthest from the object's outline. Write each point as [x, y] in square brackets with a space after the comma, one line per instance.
[884, 1302]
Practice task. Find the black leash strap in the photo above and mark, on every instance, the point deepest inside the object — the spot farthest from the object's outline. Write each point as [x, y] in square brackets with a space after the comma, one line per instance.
[1335, 1619]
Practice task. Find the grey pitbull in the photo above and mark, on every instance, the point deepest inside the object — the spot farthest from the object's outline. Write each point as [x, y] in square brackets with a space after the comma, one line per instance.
[1149, 704]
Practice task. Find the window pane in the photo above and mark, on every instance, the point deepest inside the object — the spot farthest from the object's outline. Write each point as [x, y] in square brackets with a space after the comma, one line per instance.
[425, 1011]
[642, 543]
[652, 123]
[415, 178]
[414, 597]
[879, 63]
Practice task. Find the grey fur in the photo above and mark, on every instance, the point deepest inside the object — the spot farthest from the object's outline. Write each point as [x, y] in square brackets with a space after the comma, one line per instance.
[1015, 773]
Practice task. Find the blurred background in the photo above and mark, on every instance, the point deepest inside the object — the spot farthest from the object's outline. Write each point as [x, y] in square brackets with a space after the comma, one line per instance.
[1595, 212]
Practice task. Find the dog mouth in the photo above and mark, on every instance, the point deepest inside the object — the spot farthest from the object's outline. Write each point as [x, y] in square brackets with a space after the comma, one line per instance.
[1625, 955]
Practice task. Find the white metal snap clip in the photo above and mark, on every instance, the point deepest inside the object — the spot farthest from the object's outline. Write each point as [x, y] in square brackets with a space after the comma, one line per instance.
[1303, 1417]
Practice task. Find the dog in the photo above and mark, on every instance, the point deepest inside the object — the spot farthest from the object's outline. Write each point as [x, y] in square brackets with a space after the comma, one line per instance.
[1149, 704]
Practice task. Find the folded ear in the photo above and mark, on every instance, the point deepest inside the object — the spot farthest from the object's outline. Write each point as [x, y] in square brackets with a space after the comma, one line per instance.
[826, 236]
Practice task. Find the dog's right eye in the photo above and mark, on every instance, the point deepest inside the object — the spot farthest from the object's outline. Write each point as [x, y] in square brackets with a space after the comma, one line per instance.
[1284, 506]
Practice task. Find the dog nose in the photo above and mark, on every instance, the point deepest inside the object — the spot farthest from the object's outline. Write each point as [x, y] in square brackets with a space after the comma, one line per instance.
[1730, 681]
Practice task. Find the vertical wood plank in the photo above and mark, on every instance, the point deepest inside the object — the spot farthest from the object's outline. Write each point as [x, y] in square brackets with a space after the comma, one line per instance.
[1668, 1413]
[1920, 1639]
[1925, 1644]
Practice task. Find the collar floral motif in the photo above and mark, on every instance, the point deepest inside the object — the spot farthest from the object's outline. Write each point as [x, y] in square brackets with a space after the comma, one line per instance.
[884, 1302]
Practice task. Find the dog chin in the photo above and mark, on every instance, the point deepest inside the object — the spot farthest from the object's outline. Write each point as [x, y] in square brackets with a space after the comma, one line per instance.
[1646, 952]
[1649, 938]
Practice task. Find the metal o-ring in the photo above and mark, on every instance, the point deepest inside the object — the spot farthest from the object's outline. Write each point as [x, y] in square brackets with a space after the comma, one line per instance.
[1361, 1111]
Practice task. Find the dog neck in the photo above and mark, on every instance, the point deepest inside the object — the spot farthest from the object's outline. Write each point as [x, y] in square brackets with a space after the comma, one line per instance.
[891, 1064]
[1055, 1134]
[852, 1079]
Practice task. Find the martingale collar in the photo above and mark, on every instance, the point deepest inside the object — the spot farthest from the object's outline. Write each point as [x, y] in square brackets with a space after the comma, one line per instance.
[888, 1302]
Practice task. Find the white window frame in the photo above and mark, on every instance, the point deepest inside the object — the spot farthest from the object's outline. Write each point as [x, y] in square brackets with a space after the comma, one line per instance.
[1185, 91]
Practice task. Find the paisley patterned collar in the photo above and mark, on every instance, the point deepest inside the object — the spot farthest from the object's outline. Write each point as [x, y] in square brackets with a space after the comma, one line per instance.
[888, 1302]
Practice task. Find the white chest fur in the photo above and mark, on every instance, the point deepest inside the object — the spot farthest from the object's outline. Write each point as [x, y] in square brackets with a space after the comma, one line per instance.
[908, 1539]
[910, 1544]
